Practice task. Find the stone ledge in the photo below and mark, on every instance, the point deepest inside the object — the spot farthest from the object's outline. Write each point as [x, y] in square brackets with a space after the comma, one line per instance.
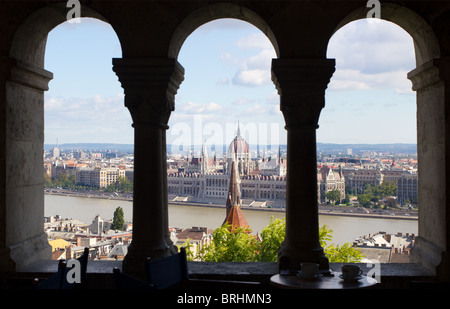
[394, 276]
[236, 269]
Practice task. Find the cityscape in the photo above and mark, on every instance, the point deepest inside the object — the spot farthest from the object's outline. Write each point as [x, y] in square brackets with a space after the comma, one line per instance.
[351, 180]
[377, 180]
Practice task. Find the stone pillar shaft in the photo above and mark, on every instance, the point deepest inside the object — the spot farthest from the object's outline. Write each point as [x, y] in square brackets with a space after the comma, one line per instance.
[301, 84]
[431, 81]
[150, 86]
[22, 238]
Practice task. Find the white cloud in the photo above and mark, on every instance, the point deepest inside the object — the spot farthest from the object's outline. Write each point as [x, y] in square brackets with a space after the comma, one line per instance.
[228, 58]
[252, 78]
[255, 40]
[273, 98]
[87, 119]
[256, 110]
[356, 80]
[263, 60]
[372, 48]
[198, 108]
[223, 81]
[253, 70]
[242, 101]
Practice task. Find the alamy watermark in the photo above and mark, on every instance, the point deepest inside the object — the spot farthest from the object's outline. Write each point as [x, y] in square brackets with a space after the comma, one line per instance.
[74, 14]
[74, 273]
[374, 271]
[375, 11]
[214, 135]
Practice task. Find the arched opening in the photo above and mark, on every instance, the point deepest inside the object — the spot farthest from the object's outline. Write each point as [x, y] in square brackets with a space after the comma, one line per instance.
[213, 12]
[430, 146]
[368, 128]
[88, 146]
[226, 109]
[25, 237]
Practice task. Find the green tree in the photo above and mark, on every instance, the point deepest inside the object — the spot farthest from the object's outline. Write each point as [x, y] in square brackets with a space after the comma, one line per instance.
[336, 253]
[121, 185]
[241, 246]
[118, 219]
[333, 195]
[364, 200]
[387, 188]
[271, 238]
[227, 246]
[48, 180]
[390, 203]
[346, 200]
[124, 185]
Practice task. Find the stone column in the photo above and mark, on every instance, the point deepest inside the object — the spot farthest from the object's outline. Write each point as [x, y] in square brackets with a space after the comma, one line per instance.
[301, 84]
[150, 86]
[22, 237]
[6, 263]
[431, 81]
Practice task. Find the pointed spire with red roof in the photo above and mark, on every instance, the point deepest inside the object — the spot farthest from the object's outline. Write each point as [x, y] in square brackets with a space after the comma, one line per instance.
[234, 216]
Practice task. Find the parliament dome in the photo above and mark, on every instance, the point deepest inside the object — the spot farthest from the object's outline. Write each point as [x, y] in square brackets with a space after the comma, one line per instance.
[238, 146]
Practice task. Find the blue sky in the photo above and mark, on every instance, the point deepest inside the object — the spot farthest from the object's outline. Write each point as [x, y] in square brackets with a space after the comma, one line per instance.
[227, 80]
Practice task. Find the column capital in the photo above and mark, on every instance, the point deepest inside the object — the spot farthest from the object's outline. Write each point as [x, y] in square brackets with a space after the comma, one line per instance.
[24, 74]
[430, 73]
[301, 84]
[150, 86]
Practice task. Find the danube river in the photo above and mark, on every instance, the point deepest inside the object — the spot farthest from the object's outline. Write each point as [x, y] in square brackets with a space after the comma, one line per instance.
[345, 229]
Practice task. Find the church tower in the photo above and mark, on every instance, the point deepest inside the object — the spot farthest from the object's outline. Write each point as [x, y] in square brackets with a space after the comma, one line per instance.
[234, 216]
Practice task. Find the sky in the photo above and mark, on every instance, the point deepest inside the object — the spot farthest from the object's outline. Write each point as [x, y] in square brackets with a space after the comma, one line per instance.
[227, 82]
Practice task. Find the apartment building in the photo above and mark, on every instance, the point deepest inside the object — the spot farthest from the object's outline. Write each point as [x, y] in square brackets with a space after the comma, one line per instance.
[358, 178]
[408, 189]
[100, 177]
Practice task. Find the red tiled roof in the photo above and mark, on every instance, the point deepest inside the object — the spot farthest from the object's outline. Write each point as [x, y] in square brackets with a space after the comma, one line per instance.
[236, 219]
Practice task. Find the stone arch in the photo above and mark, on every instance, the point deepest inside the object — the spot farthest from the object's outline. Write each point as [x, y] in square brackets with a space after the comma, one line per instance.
[213, 12]
[24, 238]
[29, 41]
[428, 80]
[425, 42]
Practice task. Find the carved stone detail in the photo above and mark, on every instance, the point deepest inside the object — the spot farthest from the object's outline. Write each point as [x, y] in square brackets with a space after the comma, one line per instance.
[149, 109]
[29, 76]
[150, 86]
[429, 73]
[301, 84]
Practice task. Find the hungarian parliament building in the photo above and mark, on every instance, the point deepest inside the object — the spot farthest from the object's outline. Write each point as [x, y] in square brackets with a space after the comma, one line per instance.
[262, 180]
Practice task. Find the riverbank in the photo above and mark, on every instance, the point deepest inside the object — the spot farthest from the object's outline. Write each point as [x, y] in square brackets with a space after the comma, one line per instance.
[326, 210]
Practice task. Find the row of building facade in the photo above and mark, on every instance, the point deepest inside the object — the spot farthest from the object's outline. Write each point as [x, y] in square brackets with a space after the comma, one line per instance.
[262, 180]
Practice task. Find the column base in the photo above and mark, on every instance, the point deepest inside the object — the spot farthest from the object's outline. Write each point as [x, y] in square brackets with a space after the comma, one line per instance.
[426, 254]
[25, 253]
[290, 257]
[134, 261]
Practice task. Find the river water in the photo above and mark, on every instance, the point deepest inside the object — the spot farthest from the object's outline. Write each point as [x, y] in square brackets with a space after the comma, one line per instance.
[345, 229]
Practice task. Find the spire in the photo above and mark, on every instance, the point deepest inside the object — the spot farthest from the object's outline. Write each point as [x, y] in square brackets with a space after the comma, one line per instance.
[204, 152]
[279, 155]
[204, 160]
[234, 216]
[238, 133]
[234, 194]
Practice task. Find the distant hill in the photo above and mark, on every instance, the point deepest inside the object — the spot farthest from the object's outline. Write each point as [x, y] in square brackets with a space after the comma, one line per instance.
[396, 148]
[94, 147]
[321, 147]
